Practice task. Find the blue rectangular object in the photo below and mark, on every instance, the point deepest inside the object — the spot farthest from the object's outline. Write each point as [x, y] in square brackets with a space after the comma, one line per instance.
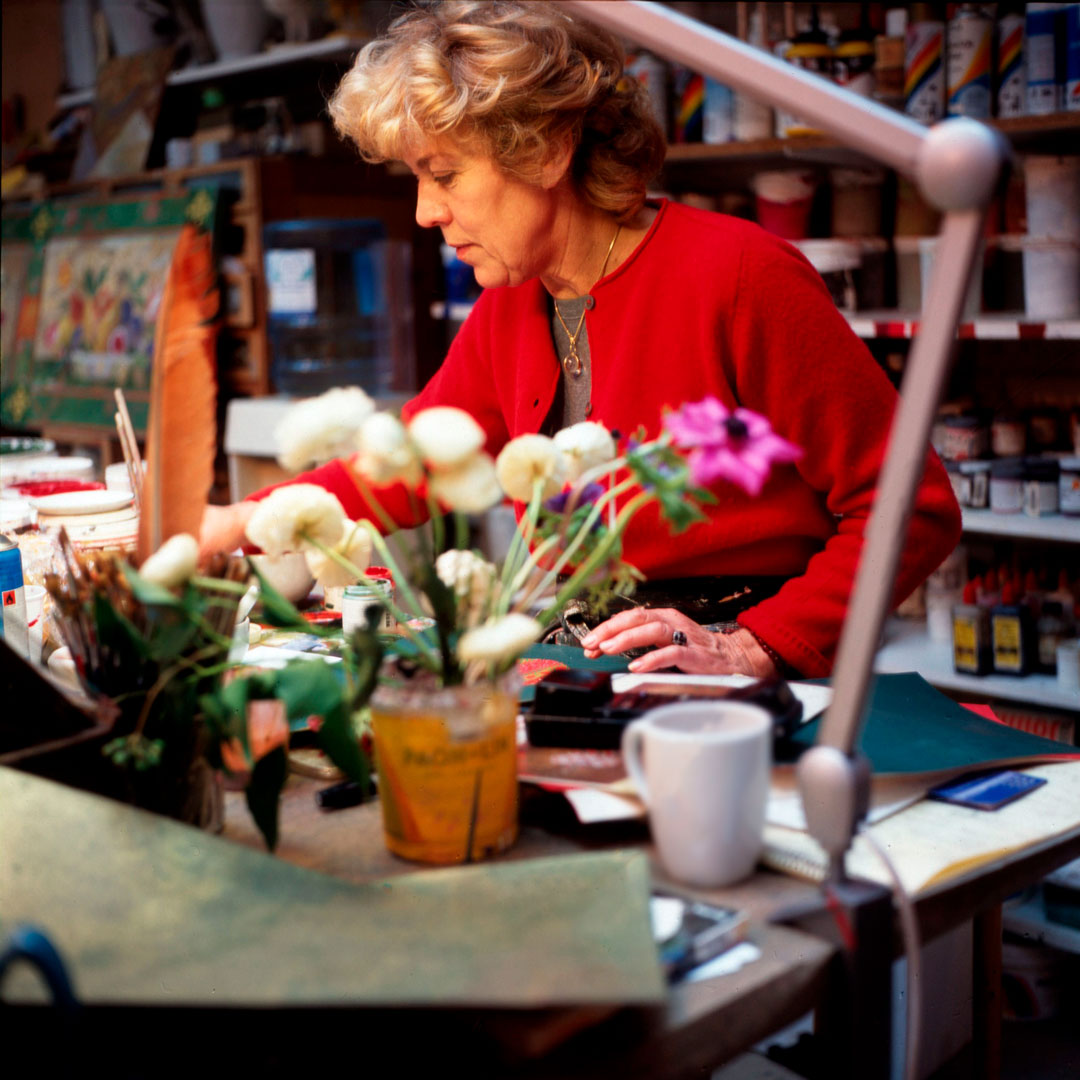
[987, 791]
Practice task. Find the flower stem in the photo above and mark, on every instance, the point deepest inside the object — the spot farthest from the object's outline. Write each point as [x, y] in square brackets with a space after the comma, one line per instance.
[608, 498]
[385, 520]
[581, 575]
[401, 616]
[522, 535]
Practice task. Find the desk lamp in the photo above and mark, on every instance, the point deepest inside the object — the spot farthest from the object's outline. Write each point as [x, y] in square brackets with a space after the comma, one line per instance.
[956, 165]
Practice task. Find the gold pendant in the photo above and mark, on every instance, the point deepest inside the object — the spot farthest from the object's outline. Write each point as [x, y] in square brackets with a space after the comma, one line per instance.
[572, 358]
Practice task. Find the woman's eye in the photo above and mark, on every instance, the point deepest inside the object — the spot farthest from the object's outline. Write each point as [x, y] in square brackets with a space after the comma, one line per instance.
[444, 179]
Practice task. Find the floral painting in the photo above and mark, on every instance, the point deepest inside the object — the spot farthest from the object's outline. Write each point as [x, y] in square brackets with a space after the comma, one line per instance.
[99, 301]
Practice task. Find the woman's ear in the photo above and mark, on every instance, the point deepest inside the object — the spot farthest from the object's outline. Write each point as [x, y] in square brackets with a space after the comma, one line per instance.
[557, 164]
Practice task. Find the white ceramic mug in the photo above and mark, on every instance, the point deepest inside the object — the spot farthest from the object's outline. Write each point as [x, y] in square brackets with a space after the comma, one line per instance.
[702, 769]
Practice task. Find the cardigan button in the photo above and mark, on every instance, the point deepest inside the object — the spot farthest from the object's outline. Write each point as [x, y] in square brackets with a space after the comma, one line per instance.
[590, 302]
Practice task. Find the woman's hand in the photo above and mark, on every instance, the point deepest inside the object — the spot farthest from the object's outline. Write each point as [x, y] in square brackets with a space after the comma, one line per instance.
[704, 653]
[223, 528]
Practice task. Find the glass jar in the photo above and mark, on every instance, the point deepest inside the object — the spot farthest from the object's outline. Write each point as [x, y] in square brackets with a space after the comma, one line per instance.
[358, 600]
[447, 766]
[1069, 487]
[1041, 486]
[974, 484]
[1007, 485]
[966, 438]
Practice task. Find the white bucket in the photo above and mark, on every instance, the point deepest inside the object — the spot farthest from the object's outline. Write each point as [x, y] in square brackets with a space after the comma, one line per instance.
[972, 301]
[1051, 278]
[1052, 187]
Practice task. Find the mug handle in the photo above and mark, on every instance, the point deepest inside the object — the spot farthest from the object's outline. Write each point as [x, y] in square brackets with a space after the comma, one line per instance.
[632, 738]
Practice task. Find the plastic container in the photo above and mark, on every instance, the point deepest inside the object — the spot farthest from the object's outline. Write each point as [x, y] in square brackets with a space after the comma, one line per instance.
[974, 484]
[1052, 186]
[783, 201]
[872, 277]
[966, 438]
[927, 246]
[837, 262]
[337, 302]
[1007, 485]
[1069, 487]
[856, 201]
[1051, 278]
[1041, 477]
[1008, 435]
[35, 620]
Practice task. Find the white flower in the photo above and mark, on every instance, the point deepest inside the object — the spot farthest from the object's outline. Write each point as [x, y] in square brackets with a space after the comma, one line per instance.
[471, 488]
[354, 545]
[281, 517]
[446, 437]
[321, 428]
[386, 454]
[470, 577]
[528, 458]
[499, 639]
[585, 446]
[173, 563]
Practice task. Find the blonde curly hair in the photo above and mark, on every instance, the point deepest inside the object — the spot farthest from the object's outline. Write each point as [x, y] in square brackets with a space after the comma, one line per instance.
[514, 80]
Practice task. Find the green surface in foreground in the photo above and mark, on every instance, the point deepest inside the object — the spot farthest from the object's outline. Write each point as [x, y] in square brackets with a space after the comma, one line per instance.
[143, 909]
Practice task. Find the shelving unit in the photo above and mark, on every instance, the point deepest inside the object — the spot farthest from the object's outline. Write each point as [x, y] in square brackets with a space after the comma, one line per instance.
[1027, 917]
[1003, 327]
[326, 49]
[1056, 527]
[909, 648]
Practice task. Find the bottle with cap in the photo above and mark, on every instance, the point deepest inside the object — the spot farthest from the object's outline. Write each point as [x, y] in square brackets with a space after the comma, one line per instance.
[971, 635]
[1011, 634]
[1050, 630]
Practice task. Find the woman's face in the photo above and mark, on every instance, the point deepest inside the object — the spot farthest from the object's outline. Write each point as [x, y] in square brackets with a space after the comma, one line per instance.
[504, 228]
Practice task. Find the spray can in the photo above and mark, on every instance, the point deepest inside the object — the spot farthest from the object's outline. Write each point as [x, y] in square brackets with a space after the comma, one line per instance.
[968, 43]
[651, 72]
[1072, 57]
[810, 51]
[1045, 82]
[719, 122]
[1011, 66]
[924, 74]
[688, 91]
[13, 626]
[752, 118]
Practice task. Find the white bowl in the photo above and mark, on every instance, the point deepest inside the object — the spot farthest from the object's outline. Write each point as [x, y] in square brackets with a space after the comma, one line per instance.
[287, 573]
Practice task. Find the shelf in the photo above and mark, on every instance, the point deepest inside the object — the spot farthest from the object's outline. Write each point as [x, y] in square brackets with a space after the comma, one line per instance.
[1055, 527]
[277, 57]
[1005, 327]
[908, 648]
[1028, 919]
[1020, 130]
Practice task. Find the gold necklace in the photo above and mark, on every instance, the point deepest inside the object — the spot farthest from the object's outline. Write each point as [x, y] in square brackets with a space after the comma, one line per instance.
[571, 362]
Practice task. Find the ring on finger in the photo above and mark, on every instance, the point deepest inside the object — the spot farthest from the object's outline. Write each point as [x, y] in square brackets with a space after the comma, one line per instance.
[678, 638]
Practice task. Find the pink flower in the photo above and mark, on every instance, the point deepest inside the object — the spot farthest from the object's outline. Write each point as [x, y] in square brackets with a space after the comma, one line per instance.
[739, 446]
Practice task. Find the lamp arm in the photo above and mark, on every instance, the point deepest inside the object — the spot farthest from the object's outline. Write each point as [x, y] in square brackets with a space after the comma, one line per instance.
[884, 134]
[956, 165]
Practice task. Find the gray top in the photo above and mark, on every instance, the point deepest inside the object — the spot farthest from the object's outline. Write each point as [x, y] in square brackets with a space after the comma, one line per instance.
[576, 389]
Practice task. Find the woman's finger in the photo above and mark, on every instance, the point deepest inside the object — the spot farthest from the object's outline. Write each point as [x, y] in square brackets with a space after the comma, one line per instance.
[649, 635]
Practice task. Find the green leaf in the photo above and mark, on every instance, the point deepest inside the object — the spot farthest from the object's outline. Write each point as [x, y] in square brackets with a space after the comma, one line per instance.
[275, 609]
[263, 793]
[338, 740]
[149, 593]
[309, 686]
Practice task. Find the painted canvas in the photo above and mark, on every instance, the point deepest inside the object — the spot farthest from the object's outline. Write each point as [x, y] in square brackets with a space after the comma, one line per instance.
[14, 267]
[99, 301]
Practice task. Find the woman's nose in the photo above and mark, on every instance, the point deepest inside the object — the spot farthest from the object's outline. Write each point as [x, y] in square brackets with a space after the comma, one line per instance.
[431, 211]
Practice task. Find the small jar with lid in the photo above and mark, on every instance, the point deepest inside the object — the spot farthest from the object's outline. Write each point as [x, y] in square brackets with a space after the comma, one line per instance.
[1008, 435]
[1069, 486]
[359, 600]
[952, 470]
[1007, 485]
[1041, 486]
[974, 484]
[966, 437]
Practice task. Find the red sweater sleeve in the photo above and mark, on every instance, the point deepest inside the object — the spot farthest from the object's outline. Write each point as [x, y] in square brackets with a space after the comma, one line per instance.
[799, 363]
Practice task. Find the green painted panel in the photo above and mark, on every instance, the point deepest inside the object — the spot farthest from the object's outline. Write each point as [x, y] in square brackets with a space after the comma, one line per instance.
[146, 910]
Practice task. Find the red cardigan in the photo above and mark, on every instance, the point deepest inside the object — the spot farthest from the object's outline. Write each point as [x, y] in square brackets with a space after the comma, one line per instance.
[710, 304]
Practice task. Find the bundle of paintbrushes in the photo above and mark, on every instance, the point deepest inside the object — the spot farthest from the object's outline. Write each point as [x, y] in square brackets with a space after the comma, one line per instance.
[152, 650]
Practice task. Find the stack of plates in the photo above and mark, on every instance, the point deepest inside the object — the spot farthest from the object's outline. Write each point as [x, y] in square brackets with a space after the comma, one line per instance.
[17, 469]
[93, 519]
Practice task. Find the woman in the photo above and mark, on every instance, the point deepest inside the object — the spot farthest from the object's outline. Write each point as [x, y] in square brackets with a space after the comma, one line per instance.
[532, 153]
